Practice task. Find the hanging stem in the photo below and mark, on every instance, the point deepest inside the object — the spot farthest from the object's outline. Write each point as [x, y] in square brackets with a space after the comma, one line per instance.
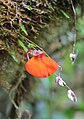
[74, 37]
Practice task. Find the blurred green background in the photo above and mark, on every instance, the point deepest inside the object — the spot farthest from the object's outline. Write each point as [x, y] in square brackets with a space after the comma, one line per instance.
[50, 101]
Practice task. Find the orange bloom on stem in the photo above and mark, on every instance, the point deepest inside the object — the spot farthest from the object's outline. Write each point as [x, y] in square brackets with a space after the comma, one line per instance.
[41, 66]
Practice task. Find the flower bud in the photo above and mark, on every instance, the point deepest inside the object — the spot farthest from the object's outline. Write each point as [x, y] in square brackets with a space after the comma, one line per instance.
[71, 95]
[73, 57]
[60, 81]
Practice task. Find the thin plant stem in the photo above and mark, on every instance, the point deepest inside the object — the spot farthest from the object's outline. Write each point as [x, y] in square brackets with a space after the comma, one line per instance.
[33, 43]
[75, 34]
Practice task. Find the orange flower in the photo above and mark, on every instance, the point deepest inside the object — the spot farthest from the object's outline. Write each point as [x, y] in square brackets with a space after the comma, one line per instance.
[41, 66]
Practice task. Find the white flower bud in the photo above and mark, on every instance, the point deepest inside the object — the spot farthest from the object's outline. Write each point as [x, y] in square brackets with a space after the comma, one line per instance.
[60, 81]
[71, 95]
[73, 56]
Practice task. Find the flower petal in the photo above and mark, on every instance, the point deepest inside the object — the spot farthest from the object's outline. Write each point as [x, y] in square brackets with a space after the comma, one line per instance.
[41, 66]
[50, 64]
[36, 68]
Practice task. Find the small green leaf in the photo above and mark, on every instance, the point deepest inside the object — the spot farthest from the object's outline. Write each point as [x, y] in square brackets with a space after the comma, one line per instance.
[65, 14]
[23, 28]
[29, 7]
[30, 45]
[22, 45]
[14, 56]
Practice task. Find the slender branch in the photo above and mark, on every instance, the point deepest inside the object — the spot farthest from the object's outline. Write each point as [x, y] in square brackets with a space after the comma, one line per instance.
[75, 34]
[33, 43]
